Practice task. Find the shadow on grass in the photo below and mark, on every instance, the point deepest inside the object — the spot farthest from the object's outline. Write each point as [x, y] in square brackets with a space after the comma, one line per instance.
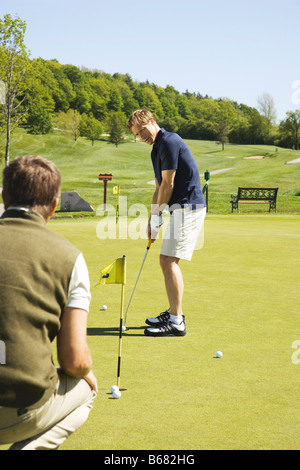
[114, 331]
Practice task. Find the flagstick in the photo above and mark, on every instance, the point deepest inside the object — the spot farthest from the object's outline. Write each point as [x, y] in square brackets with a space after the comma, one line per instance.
[121, 332]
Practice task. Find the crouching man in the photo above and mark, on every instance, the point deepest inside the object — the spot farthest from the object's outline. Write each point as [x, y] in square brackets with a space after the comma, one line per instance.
[45, 294]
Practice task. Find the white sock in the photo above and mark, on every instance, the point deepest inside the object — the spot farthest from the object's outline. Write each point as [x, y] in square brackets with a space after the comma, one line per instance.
[176, 319]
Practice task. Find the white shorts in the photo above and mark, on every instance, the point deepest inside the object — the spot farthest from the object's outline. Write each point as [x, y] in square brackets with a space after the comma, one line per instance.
[184, 233]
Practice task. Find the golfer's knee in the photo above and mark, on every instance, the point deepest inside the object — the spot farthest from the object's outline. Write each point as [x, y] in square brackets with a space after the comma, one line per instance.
[166, 262]
[163, 262]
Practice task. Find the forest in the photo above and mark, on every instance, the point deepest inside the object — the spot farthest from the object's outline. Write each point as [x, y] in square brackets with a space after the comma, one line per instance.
[42, 95]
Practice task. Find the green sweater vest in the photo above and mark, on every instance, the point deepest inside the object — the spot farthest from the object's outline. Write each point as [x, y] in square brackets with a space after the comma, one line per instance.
[35, 270]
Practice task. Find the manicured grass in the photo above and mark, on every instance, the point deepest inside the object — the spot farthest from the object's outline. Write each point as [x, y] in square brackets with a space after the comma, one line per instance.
[241, 297]
[130, 164]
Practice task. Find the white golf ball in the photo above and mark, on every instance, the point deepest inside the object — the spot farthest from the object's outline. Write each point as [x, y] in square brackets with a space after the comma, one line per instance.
[123, 328]
[219, 354]
[104, 307]
[114, 387]
[116, 393]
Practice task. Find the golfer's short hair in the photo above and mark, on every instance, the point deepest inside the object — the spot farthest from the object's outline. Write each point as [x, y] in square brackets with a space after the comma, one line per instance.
[140, 116]
[31, 181]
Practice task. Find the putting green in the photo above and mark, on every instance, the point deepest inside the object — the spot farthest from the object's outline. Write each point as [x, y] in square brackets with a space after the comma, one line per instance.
[241, 297]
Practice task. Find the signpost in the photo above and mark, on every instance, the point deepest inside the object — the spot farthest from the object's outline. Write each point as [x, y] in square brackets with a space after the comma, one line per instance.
[105, 177]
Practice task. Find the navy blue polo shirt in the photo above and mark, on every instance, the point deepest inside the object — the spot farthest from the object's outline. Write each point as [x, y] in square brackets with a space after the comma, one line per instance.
[170, 152]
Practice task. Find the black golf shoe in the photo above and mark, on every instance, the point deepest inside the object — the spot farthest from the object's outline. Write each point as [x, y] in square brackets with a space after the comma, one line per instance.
[167, 328]
[161, 318]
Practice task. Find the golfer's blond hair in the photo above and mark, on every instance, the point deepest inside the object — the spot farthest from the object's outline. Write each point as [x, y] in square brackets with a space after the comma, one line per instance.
[139, 117]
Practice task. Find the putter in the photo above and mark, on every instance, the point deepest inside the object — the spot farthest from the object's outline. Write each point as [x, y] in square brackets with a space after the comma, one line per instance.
[145, 255]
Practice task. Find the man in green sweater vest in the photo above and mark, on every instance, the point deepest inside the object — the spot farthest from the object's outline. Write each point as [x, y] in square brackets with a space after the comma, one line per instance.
[45, 294]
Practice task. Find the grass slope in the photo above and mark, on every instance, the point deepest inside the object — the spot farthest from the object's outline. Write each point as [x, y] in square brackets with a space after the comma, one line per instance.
[80, 164]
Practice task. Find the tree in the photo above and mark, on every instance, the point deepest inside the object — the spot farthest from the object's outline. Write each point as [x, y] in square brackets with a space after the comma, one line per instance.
[83, 99]
[183, 105]
[222, 134]
[40, 101]
[250, 128]
[266, 106]
[152, 102]
[71, 122]
[39, 120]
[63, 93]
[290, 128]
[115, 102]
[129, 104]
[90, 128]
[14, 73]
[100, 87]
[116, 129]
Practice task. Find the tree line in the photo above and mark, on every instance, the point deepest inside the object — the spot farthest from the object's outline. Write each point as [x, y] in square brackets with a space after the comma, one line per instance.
[43, 94]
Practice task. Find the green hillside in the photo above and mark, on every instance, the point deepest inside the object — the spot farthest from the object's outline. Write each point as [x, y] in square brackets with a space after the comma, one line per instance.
[80, 164]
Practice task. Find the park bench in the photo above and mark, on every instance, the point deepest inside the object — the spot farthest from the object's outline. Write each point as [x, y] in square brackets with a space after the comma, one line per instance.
[254, 196]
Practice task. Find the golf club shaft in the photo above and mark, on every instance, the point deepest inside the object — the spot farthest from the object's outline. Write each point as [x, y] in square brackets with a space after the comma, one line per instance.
[146, 252]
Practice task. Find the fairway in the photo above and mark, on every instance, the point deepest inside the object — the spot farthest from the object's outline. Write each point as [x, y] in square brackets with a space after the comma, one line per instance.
[241, 297]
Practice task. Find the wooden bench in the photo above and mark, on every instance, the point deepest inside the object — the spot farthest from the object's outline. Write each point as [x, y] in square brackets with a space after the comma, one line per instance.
[254, 196]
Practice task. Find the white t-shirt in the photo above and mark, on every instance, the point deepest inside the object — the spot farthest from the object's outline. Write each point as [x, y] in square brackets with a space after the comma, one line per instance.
[79, 288]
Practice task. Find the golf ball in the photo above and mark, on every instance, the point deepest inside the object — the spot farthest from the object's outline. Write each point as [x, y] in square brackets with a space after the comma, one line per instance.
[104, 307]
[116, 393]
[219, 354]
[123, 328]
[114, 387]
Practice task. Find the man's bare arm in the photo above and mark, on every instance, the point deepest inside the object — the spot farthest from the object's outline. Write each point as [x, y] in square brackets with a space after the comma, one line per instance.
[73, 352]
[165, 191]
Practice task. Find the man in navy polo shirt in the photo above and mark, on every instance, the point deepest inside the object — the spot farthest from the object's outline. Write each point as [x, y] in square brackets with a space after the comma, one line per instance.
[177, 186]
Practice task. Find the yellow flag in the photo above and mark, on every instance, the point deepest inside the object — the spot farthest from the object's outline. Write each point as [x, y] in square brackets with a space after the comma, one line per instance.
[114, 273]
[116, 189]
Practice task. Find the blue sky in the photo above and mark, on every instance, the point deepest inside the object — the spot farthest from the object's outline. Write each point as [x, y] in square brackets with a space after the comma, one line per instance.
[234, 49]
